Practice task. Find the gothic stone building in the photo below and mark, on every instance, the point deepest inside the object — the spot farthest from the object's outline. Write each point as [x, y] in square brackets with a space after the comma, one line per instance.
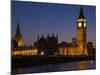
[47, 45]
[81, 47]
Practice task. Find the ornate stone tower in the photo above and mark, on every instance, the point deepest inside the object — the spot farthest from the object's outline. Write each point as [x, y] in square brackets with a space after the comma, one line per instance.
[18, 36]
[82, 33]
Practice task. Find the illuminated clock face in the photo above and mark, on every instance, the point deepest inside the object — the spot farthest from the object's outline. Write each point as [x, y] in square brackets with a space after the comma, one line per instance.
[79, 24]
[84, 24]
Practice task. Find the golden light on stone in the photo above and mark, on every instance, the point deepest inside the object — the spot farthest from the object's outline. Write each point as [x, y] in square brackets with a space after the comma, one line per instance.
[25, 52]
[81, 20]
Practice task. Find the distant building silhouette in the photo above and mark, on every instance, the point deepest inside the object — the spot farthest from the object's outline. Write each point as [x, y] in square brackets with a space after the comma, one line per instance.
[90, 48]
[74, 41]
[48, 45]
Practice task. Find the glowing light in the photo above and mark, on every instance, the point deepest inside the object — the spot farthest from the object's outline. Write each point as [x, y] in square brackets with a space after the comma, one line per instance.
[25, 52]
[42, 53]
[84, 24]
[80, 20]
[55, 53]
[79, 24]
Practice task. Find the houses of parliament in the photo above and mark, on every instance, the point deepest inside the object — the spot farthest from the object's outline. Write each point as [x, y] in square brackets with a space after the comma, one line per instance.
[48, 45]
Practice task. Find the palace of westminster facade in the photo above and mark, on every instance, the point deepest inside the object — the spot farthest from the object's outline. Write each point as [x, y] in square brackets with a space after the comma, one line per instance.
[49, 45]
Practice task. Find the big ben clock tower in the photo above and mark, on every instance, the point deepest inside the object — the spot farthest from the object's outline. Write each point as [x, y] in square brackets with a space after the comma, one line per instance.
[82, 33]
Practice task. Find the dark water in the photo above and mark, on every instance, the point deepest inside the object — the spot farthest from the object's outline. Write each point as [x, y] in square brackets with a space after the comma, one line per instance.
[80, 65]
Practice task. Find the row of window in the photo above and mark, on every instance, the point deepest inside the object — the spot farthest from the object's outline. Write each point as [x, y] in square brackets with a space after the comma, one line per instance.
[70, 51]
[25, 52]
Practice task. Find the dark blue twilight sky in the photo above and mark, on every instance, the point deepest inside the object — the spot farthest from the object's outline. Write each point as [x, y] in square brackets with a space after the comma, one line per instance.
[45, 18]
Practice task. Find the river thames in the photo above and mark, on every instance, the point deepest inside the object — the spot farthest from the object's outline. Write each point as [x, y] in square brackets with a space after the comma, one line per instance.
[69, 66]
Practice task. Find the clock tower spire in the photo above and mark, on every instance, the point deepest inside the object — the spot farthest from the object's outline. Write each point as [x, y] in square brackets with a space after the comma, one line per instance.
[82, 33]
[81, 14]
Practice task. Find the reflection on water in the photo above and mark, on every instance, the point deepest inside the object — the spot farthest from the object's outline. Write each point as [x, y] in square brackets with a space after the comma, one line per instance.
[81, 65]
[18, 70]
